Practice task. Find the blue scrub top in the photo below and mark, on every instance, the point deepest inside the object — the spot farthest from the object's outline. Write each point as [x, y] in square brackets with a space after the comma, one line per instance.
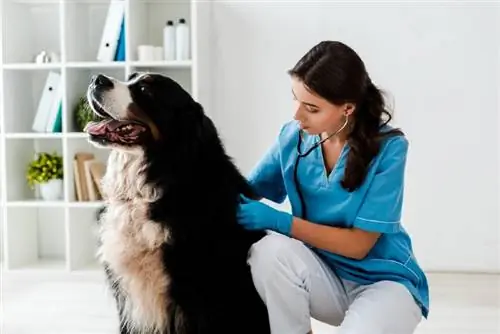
[375, 206]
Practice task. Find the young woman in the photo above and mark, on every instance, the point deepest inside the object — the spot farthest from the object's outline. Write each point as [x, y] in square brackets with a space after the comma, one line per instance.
[342, 256]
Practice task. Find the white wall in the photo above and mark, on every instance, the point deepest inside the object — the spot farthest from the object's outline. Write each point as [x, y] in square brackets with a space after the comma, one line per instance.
[439, 63]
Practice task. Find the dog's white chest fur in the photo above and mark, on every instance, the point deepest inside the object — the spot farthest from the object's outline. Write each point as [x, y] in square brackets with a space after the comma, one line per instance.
[131, 243]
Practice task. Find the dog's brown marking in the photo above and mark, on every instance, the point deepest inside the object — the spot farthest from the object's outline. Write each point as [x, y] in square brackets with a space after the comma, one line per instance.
[135, 113]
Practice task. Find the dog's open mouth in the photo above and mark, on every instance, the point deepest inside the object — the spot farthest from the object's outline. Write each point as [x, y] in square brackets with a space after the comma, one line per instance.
[125, 132]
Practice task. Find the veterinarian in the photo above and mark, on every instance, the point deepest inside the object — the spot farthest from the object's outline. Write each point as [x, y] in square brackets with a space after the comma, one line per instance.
[343, 256]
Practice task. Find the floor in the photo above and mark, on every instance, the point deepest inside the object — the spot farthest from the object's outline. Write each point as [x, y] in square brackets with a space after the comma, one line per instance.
[79, 304]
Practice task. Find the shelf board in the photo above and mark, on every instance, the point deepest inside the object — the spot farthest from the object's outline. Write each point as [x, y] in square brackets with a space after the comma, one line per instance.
[95, 64]
[90, 204]
[42, 265]
[32, 66]
[76, 135]
[33, 135]
[90, 267]
[44, 204]
[35, 203]
[163, 64]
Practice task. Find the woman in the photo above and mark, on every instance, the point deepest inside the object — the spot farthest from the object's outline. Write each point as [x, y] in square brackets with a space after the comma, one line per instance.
[342, 256]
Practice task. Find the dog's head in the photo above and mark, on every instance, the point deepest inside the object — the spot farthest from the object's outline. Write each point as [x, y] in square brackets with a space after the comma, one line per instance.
[139, 112]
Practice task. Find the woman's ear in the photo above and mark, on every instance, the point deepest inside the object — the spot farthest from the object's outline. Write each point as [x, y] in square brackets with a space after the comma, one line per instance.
[349, 109]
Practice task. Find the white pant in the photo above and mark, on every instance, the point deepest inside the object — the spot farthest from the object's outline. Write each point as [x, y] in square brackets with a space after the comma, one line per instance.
[296, 285]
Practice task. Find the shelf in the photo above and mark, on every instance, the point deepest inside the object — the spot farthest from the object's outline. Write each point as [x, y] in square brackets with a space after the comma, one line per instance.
[59, 236]
[33, 135]
[34, 204]
[83, 205]
[94, 64]
[76, 135]
[37, 266]
[83, 238]
[32, 66]
[162, 64]
[21, 98]
[36, 238]
[84, 23]
[18, 153]
[39, 29]
[147, 20]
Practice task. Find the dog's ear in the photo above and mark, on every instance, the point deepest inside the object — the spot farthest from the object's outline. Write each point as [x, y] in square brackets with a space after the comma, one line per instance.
[205, 128]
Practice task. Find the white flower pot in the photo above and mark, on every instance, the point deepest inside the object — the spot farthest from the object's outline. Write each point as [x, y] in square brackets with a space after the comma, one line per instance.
[52, 190]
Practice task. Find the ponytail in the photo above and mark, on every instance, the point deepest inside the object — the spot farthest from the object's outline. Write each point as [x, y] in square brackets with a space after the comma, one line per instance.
[366, 137]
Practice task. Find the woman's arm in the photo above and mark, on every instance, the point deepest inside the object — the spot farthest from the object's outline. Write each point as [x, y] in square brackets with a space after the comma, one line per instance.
[349, 242]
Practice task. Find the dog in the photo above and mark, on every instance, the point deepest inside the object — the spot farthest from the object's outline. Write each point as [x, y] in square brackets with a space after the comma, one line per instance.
[174, 255]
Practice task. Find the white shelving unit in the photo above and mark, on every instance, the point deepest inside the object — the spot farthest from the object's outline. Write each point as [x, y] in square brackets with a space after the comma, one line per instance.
[58, 235]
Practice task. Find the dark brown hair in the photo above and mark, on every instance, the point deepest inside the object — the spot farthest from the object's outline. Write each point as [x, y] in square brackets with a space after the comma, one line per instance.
[335, 72]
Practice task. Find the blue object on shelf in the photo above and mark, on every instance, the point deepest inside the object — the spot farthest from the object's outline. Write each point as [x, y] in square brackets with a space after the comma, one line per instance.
[120, 50]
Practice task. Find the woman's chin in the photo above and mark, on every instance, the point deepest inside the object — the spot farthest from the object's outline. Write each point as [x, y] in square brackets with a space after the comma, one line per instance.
[309, 131]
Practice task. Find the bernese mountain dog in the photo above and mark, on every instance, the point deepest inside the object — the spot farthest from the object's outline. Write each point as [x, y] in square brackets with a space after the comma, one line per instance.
[174, 255]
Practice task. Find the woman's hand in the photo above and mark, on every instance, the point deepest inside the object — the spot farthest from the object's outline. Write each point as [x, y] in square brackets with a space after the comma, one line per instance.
[255, 215]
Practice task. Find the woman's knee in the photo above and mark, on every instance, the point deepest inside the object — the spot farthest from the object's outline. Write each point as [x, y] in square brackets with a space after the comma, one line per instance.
[274, 254]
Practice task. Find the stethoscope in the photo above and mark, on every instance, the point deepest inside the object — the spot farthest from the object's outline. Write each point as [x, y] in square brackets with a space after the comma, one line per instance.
[301, 154]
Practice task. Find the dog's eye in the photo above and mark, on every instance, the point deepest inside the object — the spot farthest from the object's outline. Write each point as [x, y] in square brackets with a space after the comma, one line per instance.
[144, 88]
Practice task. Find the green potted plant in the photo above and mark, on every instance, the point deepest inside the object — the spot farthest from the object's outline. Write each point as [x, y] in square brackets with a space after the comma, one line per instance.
[83, 113]
[46, 170]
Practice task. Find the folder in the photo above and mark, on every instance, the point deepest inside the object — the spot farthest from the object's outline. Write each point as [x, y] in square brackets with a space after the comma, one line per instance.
[50, 93]
[111, 32]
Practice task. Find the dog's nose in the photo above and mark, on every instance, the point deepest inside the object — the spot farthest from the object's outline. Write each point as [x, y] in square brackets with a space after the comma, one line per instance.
[102, 80]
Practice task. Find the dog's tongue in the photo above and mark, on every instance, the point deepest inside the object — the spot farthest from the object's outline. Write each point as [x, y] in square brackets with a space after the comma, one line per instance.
[101, 128]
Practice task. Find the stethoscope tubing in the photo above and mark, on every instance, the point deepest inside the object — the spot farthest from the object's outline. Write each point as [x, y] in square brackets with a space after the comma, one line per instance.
[304, 154]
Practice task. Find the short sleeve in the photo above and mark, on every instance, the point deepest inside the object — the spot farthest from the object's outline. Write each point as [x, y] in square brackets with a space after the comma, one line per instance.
[382, 206]
[266, 178]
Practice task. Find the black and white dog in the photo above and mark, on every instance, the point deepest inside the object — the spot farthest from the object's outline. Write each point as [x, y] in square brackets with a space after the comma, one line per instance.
[174, 254]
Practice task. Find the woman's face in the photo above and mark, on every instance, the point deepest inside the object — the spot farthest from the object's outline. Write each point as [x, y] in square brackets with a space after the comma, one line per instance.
[315, 114]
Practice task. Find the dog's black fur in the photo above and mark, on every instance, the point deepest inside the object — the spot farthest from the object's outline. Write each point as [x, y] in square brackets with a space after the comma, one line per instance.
[206, 255]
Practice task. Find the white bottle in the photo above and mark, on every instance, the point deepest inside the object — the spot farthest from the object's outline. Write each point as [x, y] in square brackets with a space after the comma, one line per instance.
[182, 40]
[169, 41]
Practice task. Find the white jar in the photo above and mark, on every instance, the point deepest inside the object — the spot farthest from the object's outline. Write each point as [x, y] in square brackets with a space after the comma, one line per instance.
[169, 41]
[182, 40]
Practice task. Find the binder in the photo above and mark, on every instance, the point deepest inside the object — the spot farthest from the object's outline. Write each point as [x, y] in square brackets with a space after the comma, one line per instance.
[50, 93]
[111, 32]
[54, 121]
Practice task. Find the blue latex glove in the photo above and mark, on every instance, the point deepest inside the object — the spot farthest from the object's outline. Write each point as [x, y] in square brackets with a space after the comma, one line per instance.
[255, 215]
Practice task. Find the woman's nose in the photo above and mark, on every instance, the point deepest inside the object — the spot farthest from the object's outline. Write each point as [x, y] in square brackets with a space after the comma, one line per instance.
[298, 113]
